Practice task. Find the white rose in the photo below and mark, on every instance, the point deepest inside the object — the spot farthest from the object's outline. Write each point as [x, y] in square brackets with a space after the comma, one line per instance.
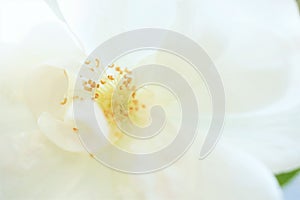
[252, 46]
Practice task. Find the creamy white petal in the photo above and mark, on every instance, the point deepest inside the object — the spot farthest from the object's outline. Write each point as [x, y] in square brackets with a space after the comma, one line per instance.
[96, 21]
[41, 46]
[227, 174]
[291, 98]
[231, 174]
[37, 169]
[61, 133]
[191, 18]
[19, 17]
[15, 116]
[89, 124]
[258, 41]
[272, 137]
[51, 42]
[33, 158]
[232, 15]
[255, 69]
[46, 91]
[46, 42]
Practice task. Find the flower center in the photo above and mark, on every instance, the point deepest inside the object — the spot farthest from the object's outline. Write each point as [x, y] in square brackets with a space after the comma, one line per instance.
[103, 92]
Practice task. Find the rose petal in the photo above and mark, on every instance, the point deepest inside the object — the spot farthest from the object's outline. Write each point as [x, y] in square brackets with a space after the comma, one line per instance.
[100, 20]
[272, 137]
[46, 90]
[227, 174]
[60, 133]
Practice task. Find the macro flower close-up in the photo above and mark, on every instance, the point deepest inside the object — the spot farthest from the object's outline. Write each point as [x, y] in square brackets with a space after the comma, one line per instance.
[61, 58]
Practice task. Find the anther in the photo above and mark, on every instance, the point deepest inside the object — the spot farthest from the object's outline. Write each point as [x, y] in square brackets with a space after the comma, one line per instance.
[110, 77]
[97, 62]
[75, 129]
[64, 101]
[111, 66]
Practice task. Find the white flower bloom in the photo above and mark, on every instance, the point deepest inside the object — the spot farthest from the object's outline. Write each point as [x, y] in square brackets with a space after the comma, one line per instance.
[252, 44]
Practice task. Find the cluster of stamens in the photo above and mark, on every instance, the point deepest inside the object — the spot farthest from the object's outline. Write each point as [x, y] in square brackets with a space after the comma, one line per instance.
[114, 81]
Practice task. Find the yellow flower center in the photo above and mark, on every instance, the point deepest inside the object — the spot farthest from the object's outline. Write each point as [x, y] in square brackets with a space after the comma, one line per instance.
[102, 93]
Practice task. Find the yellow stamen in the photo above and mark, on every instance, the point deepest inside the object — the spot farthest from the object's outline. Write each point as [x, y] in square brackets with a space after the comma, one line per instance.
[97, 62]
[75, 129]
[102, 92]
[64, 101]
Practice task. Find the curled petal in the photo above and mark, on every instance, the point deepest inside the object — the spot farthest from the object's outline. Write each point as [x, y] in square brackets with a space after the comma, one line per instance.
[45, 91]
[61, 133]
